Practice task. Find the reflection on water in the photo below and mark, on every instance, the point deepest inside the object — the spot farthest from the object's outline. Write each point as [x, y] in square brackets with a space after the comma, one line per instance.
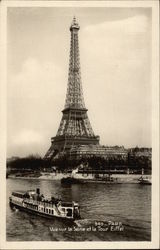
[126, 203]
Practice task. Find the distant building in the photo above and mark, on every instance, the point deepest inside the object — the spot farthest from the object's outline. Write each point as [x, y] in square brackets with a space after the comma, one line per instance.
[137, 152]
[106, 152]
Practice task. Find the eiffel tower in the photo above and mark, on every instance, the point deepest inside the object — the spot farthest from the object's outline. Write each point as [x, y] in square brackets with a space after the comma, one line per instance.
[75, 127]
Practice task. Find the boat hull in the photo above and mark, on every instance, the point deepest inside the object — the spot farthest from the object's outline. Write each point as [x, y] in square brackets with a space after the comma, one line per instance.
[36, 212]
[72, 180]
[145, 183]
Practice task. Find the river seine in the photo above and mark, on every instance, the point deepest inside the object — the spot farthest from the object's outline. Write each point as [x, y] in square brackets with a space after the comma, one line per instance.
[126, 206]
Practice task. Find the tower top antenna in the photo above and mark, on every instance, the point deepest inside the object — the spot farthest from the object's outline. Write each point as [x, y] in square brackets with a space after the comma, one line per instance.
[74, 20]
[74, 24]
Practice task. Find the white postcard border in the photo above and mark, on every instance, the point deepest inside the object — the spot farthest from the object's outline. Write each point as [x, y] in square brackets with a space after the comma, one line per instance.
[155, 127]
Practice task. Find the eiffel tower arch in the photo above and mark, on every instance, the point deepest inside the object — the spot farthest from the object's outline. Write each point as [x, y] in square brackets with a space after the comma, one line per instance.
[75, 127]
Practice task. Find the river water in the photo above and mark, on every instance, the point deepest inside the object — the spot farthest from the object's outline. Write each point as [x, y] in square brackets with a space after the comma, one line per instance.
[127, 204]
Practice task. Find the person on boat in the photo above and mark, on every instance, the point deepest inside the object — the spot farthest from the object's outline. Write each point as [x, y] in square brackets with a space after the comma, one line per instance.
[55, 200]
[26, 195]
[40, 197]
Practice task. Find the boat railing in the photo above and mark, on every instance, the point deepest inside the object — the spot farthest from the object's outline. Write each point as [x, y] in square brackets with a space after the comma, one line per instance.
[42, 203]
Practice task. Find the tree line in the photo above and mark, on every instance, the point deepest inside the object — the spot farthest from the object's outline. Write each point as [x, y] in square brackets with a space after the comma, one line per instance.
[37, 163]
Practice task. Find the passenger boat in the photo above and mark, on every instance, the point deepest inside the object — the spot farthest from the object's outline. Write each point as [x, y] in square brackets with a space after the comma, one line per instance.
[34, 202]
[144, 181]
[96, 179]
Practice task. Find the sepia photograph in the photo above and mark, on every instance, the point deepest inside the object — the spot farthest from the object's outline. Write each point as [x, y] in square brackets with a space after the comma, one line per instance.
[81, 123]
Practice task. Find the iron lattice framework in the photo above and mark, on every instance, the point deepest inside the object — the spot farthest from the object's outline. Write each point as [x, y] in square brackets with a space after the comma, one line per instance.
[75, 127]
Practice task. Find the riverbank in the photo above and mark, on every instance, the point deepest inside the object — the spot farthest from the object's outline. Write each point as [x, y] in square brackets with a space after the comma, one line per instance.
[120, 178]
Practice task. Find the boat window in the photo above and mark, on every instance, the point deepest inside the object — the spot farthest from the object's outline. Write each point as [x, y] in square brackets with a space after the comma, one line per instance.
[69, 212]
[52, 211]
[17, 195]
[66, 204]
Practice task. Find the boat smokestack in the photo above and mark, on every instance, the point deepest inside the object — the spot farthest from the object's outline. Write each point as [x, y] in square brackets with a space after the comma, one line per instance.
[38, 191]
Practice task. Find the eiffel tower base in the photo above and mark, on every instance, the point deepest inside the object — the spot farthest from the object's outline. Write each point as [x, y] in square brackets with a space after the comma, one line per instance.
[61, 145]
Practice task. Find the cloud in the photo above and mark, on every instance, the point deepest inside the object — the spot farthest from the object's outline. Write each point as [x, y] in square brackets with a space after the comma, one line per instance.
[136, 24]
[117, 40]
[35, 98]
[27, 137]
[35, 78]
[26, 142]
[116, 79]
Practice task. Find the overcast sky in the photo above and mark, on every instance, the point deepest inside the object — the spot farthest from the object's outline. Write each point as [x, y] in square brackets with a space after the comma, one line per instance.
[115, 55]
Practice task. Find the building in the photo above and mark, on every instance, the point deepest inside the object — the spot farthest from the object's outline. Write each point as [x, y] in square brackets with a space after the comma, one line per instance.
[137, 152]
[106, 152]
